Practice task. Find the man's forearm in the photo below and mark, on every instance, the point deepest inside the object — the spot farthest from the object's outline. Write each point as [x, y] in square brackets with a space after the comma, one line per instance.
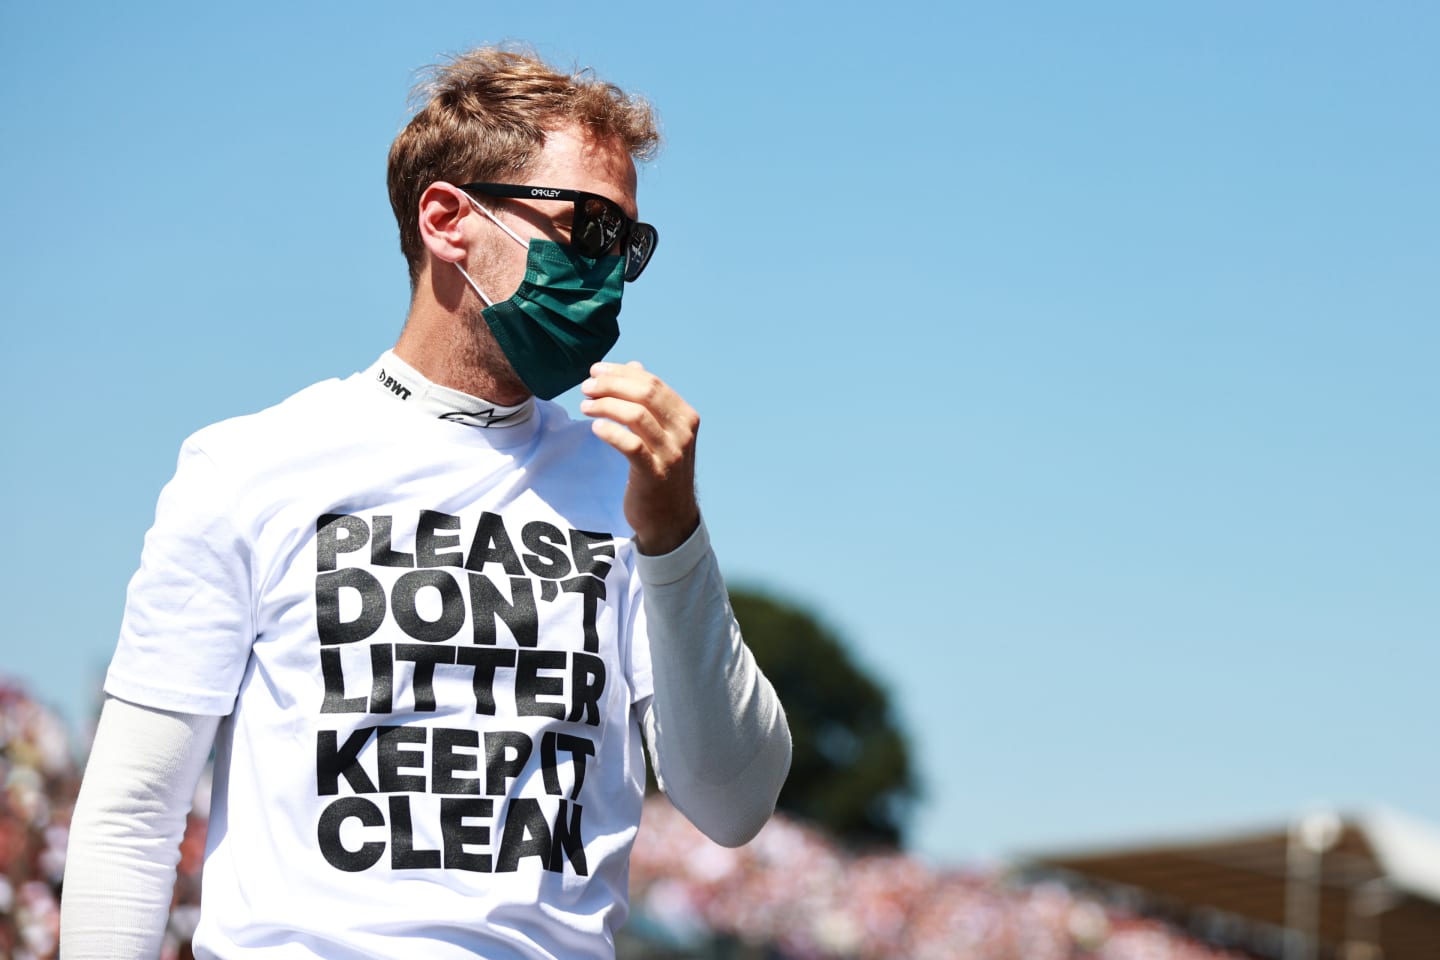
[126, 831]
[719, 734]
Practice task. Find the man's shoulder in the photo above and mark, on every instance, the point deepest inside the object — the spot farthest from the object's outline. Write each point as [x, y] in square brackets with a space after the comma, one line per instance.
[299, 418]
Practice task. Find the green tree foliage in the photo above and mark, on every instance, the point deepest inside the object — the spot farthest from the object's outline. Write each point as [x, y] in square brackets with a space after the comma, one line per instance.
[851, 770]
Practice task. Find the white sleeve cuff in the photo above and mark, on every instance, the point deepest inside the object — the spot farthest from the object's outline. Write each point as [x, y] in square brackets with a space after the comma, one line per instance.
[667, 568]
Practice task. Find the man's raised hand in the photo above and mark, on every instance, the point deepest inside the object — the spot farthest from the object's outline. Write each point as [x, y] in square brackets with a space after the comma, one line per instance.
[639, 414]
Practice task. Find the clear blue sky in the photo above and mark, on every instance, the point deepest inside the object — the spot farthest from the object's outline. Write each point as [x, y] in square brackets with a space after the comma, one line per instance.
[1076, 362]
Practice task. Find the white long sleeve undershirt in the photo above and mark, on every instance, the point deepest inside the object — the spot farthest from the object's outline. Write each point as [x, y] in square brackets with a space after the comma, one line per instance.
[716, 731]
[126, 830]
[716, 728]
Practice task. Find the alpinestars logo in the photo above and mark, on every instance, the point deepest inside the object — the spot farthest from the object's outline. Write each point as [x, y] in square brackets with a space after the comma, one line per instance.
[395, 386]
[483, 418]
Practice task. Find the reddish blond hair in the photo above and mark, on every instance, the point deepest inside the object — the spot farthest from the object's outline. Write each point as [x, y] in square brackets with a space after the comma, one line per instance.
[483, 115]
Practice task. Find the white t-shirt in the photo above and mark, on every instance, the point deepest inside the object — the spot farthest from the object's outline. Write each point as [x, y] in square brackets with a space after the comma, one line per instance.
[431, 638]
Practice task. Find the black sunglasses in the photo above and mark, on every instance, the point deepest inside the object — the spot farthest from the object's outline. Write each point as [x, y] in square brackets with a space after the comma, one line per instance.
[597, 225]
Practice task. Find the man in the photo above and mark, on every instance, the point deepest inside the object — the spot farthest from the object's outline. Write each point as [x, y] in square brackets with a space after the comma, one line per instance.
[425, 631]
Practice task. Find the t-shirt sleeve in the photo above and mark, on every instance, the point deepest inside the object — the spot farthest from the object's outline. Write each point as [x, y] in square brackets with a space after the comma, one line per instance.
[189, 621]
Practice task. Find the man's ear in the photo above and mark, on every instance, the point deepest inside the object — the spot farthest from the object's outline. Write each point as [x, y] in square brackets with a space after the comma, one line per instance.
[444, 210]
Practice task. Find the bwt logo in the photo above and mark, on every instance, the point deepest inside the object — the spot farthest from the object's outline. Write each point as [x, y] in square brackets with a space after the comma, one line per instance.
[542, 192]
[396, 387]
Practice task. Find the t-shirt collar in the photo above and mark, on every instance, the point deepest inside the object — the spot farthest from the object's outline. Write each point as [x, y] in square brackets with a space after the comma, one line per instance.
[395, 377]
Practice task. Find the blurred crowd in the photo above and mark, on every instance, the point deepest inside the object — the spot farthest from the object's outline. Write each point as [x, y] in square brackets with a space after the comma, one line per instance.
[792, 893]
[40, 772]
[795, 891]
[41, 778]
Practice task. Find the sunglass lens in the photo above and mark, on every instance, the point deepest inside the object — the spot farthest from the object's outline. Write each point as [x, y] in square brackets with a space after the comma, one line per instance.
[599, 226]
[639, 249]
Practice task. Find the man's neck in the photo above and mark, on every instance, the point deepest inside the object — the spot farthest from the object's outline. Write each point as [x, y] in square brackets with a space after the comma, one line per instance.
[458, 352]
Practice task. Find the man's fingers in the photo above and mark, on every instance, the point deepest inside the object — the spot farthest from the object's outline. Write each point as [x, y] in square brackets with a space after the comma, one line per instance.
[639, 419]
[630, 382]
[632, 385]
[621, 439]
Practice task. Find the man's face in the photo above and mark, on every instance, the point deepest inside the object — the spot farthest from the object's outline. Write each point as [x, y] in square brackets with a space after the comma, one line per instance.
[568, 160]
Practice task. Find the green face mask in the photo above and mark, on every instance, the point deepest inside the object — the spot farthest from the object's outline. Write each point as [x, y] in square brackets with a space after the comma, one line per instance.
[562, 319]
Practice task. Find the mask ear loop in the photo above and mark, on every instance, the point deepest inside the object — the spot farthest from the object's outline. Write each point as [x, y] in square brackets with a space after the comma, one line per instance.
[491, 217]
[513, 236]
[473, 285]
